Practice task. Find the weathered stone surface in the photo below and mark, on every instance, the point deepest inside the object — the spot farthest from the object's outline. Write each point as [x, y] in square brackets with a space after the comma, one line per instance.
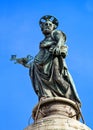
[57, 123]
[56, 114]
[56, 106]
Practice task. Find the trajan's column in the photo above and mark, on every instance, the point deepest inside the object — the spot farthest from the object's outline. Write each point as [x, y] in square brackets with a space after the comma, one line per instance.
[58, 105]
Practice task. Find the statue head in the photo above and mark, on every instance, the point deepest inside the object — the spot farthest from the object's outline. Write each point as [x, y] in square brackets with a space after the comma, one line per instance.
[48, 24]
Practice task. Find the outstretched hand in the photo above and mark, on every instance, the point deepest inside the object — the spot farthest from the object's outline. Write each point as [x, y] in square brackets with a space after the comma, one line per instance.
[22, 61]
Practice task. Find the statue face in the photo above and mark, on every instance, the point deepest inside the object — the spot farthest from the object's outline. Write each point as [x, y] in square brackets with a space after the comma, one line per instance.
[48, 27]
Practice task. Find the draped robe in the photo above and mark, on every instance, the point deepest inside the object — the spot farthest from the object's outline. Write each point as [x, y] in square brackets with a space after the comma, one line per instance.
[49, 74]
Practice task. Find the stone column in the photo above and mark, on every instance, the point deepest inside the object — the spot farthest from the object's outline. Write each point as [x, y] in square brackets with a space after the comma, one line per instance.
[56, 113]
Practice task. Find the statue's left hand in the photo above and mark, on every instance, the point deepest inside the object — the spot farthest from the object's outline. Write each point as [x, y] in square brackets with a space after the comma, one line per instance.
[56, 50]
[59, 50]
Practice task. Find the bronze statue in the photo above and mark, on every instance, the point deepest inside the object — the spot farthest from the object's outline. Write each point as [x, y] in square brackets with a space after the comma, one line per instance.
[48, 71]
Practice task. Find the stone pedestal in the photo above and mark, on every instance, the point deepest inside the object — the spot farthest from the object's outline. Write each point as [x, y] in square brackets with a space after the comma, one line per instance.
[56, 114]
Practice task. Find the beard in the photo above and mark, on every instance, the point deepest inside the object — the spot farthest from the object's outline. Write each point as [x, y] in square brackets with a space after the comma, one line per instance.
[46, 31]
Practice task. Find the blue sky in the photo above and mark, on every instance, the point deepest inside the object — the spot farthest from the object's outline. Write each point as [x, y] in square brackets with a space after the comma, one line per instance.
[20, 34]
